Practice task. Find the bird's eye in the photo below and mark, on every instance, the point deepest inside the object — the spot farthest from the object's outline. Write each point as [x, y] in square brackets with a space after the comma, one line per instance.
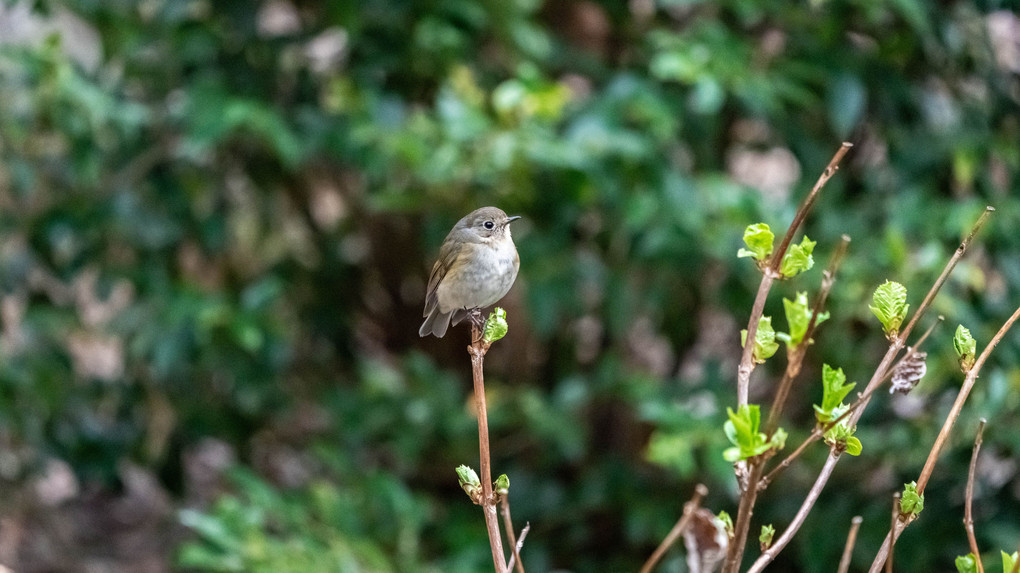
[489, 224]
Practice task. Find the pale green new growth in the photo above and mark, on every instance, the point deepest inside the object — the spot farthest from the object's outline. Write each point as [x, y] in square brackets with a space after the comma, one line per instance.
[758, 239]
[742, 431]
[798, 258]
[912, 502]
[798, 317]
[966, 348]
[502, 485]
[765, 538]
[967, 564]
[890, 306]
[765, 344]
[469, 481]
[1009, 561]
[496, 326]
[727, 522]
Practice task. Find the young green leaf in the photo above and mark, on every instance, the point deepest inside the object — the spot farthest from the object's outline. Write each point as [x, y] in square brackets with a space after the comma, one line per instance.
[742, 431]
[798, 316]
[834, 389]
[842, 437]
[912, 502]
[758, 238]
[967, 563]
[765, 344]
[469, 482]
[496, 326]
[966, 348]
[1009, 561]
[798, 258]
[890, 306]
[502, 485]
[727, 522]
[765, 538]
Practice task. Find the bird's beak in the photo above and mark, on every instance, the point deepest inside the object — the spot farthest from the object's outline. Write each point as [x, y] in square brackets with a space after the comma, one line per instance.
[512, 219]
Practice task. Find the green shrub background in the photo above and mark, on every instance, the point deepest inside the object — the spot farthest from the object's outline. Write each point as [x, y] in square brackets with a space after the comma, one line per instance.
[217, 220]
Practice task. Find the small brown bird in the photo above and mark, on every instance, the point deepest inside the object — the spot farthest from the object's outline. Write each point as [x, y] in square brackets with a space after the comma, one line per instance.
[477, 266]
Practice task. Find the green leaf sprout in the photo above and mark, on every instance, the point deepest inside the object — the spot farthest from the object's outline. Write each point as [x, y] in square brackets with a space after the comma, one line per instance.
[968, 564]
[834, 389]
[765, 344]
[469, 482]
[758, 238]
[798, 316]
[966, 348]
[912, 502]
[496, 326]
[742, 431]
[765, 538]
[890, 306]
[798, 258]
[1009, 561]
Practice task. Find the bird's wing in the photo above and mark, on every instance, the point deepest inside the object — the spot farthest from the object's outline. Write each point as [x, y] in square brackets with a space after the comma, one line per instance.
[447, 255]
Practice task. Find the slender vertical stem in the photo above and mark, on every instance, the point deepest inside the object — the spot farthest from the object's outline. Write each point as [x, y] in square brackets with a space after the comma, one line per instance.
[816, 490]
[735, 552]
[968, 515]
[892, 527]
[508, 527]
[520, 544]
[690, 507]
[848, 549]
[771, 272]
[796, 358]
[477, 352]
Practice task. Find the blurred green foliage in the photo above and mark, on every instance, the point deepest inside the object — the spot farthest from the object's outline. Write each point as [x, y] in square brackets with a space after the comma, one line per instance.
[216, 219]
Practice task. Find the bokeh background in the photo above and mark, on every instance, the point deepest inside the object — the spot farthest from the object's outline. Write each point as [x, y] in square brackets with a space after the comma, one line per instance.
[217, 219]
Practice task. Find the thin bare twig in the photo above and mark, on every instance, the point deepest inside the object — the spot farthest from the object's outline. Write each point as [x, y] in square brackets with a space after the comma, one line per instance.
[947, 426]
[477, 351]
[895, 519]
[796, 358]
[898, 341]
[771, 272]
[862, 398]
[848, 549]
[690, 507]
[508, 527]
[968, 516]
[520, 544]
[769, 554]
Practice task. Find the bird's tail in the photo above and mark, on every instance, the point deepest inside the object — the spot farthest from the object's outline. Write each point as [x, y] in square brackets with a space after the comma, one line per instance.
[435, 323]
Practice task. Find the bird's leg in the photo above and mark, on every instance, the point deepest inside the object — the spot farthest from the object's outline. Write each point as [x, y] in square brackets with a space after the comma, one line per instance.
[475, 314]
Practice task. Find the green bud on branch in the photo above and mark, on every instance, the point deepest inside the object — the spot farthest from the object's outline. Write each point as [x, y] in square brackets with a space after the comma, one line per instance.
[912, 502]
[496, 326]
[890, 306]
[758, 238]
[966, 348]
[765, 344]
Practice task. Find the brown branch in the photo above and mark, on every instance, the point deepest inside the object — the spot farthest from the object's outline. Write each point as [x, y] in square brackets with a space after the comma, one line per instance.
[897, 342]
[895, 520]
[520, 544]
[862, 398]
[735, 551]
[947, 426]
[508, 527]
[848, 549]
[968, 515]
[769, 554]
[796, 358]
[771, 272]
[477, 352]
[674, 534]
